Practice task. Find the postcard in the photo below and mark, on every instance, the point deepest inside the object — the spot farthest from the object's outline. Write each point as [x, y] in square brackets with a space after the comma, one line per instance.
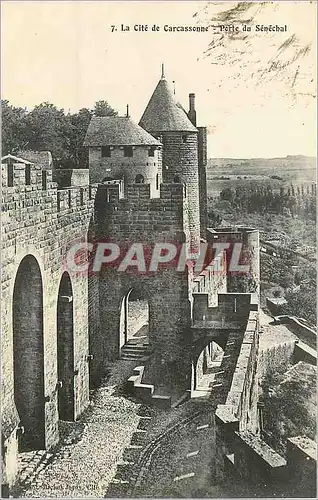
[158, 249]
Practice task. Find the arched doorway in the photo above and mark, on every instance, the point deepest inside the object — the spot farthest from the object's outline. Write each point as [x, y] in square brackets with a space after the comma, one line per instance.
[134, 323]
[28, 353]
[65, 349]
[204, 369]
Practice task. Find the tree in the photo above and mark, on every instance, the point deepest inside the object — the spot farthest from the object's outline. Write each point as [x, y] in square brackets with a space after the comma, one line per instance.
[302, 303]
[102, 108]
[48, 129]
[226, 194]
[14, 133]
[214, 218]
[78, 127]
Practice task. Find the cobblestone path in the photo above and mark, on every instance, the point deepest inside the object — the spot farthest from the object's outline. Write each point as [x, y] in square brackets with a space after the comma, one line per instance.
[85, 462]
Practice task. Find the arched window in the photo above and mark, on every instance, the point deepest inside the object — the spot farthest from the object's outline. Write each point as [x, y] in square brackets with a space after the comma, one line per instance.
[139, 179]
[176, 179]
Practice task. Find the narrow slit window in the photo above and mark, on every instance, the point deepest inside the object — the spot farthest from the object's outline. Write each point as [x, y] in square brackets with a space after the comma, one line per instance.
[128, 151]
[44, 180]
[10, 175]
[28, 175]
[106, 152]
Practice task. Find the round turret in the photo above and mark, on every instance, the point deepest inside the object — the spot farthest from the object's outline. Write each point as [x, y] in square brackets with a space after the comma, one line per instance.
[165, 119]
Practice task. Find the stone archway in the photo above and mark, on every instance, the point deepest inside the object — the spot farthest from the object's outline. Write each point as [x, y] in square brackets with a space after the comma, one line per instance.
[65, 349]
[204, 367]
[134, 318]
[28, 353]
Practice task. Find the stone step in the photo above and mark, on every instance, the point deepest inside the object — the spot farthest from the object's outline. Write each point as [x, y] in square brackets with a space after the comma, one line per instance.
[131, 357]
[161, 401]
[137, 342]
[132, 453]
[144, 423]
[138, 352]
[135, 348]
[117, 488]
[125, 470]
[139, 437]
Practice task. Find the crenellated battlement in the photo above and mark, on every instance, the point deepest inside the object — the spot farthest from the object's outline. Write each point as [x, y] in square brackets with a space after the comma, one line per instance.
[26, 185]
[72, 197]
[25, 176]
[71, 177]
[139, 217]
[137, 194]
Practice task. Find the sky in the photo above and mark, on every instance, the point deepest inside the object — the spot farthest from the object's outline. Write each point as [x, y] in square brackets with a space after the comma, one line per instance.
[65, 52]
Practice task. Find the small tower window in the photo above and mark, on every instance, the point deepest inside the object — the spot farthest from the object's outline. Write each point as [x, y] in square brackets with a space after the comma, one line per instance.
[157, 181]
[44, 182]
[106, 153]
[184, 138]
[151, 151]
[28, 175]
[128, 151]
[139, 179]
[176, 179]
[10, 175]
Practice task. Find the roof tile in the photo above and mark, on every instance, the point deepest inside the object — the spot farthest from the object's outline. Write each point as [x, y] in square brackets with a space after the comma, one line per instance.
[163, 113]
[117, 131]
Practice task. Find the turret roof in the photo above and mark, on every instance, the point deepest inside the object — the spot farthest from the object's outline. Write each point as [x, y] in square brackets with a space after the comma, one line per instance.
[117, 131]
[163, 113]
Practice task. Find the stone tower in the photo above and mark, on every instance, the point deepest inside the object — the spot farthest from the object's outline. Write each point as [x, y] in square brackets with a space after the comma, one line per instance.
[119, 149]
[202, 163]
[165, 119]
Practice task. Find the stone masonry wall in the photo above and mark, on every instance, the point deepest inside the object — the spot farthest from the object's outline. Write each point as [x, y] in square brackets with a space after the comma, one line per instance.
[117, 166]
[140, 219]
[180, 158]
[247, 282]
[203, 194]
[71, 177]
[40, 221]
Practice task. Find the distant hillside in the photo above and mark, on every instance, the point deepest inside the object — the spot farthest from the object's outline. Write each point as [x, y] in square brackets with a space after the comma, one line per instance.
[292, 167]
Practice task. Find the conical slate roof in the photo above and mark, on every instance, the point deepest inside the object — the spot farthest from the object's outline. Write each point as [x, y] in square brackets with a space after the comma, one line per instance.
[117, 131]
[163, 113]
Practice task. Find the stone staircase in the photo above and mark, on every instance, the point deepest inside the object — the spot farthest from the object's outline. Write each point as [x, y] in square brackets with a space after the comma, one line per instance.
[135, 350]
[146, 392]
